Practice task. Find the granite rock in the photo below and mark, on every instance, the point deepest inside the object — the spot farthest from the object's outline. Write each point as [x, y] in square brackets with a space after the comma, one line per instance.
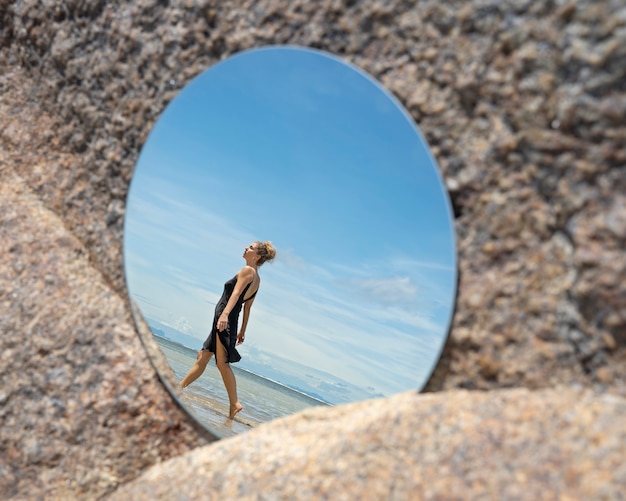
[81, 407]
[506, 444]
[523, 104]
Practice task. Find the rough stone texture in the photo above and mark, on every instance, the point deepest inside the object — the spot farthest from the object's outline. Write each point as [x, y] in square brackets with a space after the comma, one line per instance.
[523, 103]
[80, 404]
[510, 444]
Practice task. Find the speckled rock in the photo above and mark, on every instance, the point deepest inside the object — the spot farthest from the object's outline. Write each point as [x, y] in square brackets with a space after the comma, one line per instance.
[522, 102]
[508, 444]
[80, 404]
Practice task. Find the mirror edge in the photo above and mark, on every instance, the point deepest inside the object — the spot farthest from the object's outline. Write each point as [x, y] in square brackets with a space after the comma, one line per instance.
[164, 371]
[430, 384]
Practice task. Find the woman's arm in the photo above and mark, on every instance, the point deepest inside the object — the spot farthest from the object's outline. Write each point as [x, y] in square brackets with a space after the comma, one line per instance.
[241, 336]
[244, 277]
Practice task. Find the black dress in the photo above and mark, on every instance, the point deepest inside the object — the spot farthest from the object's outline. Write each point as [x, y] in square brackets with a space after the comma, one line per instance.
[228, 336]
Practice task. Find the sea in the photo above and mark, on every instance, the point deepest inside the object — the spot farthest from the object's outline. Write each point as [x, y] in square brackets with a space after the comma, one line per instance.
[206, 398]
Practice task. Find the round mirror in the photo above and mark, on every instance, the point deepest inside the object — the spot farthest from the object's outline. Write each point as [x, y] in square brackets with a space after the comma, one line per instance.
[296, 147]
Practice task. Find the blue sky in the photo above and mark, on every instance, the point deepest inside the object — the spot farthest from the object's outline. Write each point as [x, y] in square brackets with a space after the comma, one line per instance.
[297, 147]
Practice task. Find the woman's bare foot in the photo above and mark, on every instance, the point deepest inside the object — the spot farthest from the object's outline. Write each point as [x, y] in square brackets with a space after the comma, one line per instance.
[234, 409]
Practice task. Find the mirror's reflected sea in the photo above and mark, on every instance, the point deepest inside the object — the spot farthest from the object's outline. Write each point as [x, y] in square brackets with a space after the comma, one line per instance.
[297, 147]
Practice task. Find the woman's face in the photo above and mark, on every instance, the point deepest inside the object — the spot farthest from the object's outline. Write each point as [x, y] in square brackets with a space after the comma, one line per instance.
[250, 251]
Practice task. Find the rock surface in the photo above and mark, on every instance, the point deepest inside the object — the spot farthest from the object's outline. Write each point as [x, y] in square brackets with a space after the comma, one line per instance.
[80, 404]
[508, 444]
[524, 106]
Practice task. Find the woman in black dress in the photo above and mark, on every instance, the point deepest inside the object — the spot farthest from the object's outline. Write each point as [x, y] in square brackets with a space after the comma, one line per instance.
[239, 292]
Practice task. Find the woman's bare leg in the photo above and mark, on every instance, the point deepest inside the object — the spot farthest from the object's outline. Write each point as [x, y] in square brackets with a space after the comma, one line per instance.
[198, 368]
[228, 377]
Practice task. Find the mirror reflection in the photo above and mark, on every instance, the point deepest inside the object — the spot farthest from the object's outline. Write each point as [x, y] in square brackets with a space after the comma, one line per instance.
[296, 147]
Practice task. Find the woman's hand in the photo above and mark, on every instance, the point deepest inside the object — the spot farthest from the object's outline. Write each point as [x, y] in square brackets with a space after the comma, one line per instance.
[222, 322]
[241, 337]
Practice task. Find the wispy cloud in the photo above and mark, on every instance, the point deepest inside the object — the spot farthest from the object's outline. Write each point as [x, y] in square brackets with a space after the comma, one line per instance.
[392, 290]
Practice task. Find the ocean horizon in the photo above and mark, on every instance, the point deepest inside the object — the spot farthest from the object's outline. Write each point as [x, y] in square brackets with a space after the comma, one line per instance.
[263, 399]
[298, 375]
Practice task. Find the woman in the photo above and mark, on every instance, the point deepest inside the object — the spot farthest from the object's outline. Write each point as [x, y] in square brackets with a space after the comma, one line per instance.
[238, 291]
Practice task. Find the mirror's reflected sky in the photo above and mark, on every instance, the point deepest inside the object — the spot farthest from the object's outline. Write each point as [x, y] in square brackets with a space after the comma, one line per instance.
[299, 148]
